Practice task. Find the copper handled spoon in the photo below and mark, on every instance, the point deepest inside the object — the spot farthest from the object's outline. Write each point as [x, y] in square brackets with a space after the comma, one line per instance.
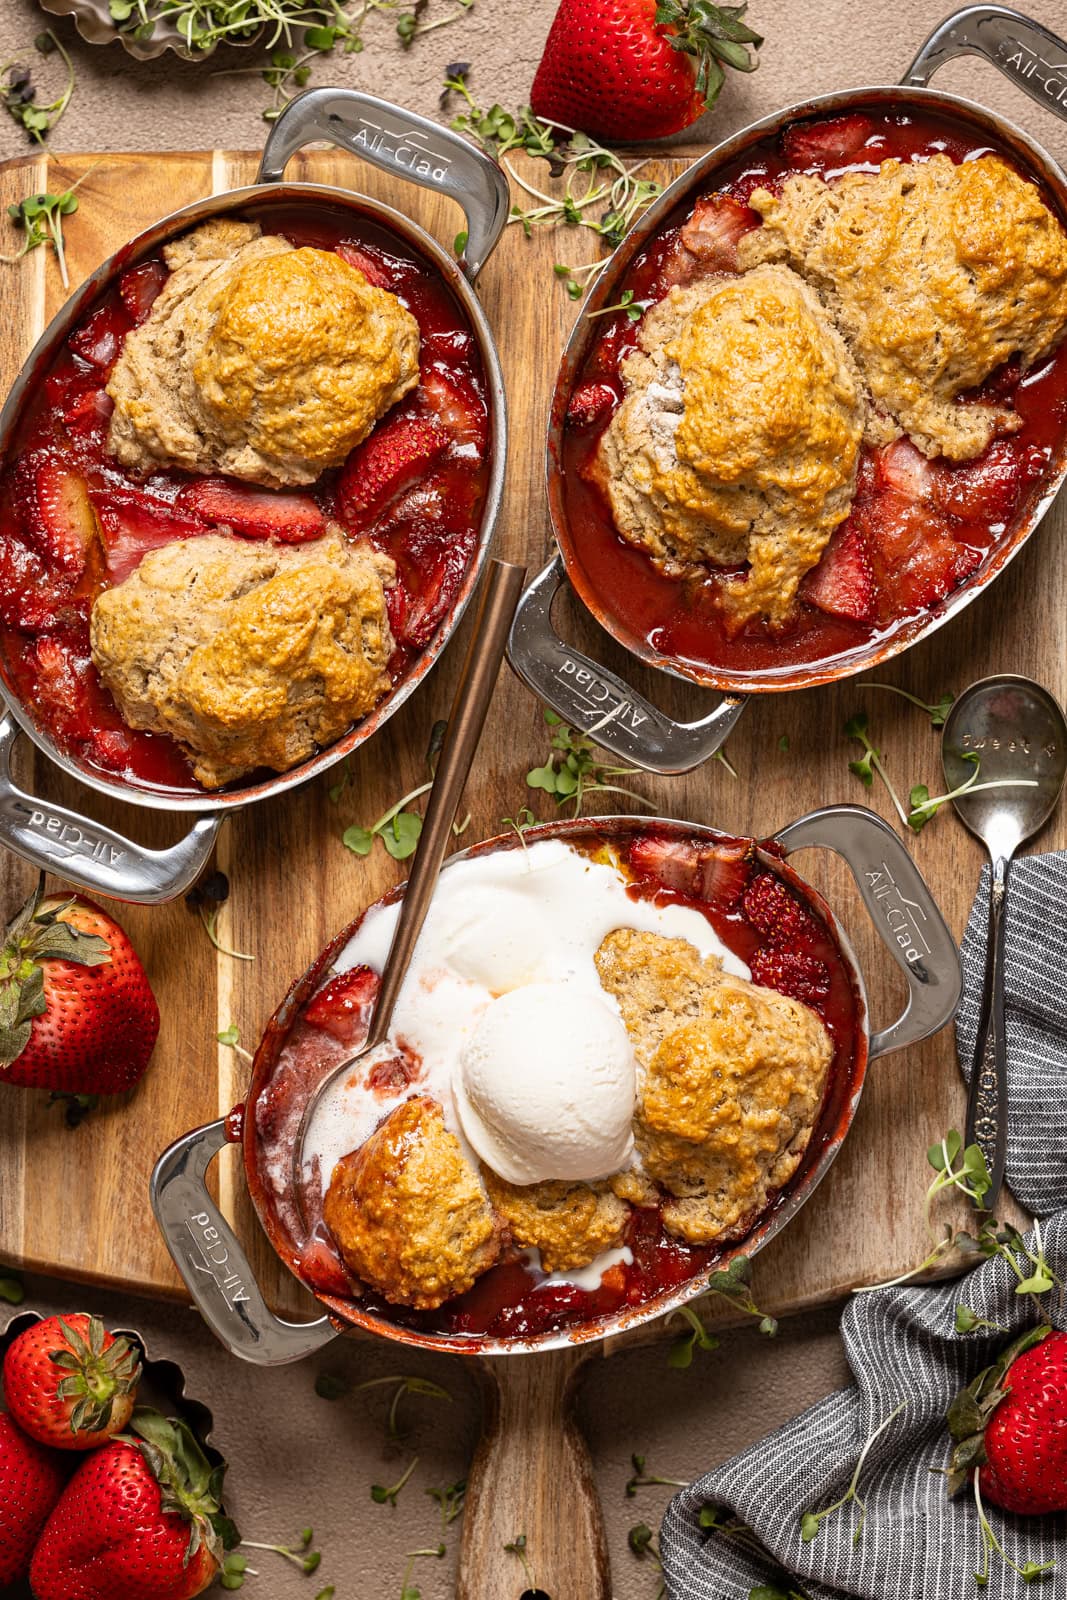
[477, 679]
[1018, 733]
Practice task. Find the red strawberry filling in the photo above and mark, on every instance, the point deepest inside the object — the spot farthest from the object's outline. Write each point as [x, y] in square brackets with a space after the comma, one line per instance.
[830, 142]
[842, 584]
[132, 524]
[400, 452]
[792, 973]
[255, 513]
[591, 404]
[712, 231]
[140, 287]
[342, 1007]
[775, 911]
[99, 339]
[713, 873]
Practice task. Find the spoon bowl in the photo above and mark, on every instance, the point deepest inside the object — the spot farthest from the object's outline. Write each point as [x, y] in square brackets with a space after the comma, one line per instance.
[1018, 732]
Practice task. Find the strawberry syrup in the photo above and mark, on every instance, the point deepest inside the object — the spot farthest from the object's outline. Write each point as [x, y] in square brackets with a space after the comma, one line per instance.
[46, 592]
[984, 502]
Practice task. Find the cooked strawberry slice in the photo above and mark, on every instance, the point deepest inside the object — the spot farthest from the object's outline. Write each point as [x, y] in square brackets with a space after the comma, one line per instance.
[357, 255]
[421, 610]
[342, 1007]
[60, 692]
[713, 873]
[132, 524]
[591, 403]
[140, 287]
[792, 973]
[986, 490]
[774, 910]
[915, 560]
[111, 748]
[58, 517]
[321, 1267]
[256, 513]
[842, 584]
[905, 470]
[99, 339]
[399, 452]
[461, 412]
[87, 410]
[32, 598]
[712, 232]
[828, 143]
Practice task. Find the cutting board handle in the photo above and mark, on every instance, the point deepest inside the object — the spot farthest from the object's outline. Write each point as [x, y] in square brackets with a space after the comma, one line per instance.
[531, 1475]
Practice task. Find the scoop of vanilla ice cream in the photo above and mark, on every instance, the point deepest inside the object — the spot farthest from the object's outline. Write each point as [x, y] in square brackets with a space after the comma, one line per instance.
[546, 1086]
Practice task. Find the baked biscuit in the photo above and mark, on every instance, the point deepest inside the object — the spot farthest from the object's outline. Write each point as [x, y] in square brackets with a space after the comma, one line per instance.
[249, 654]
[258, 360]
[936, 273]
[569, 1223]
[408, 1213]
[738, 439]
[731, 1077]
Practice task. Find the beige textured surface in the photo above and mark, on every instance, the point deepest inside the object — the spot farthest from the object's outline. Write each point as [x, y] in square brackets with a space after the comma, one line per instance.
[683, 1422]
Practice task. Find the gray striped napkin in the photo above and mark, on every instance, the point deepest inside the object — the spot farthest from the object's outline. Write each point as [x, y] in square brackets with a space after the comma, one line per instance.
[902, 1346]
[1035, 1017]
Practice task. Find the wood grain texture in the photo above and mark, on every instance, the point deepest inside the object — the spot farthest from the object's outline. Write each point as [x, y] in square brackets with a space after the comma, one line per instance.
[75, 1203]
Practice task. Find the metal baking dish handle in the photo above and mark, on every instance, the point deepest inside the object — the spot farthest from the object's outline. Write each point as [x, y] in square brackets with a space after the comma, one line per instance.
[215, 1268]
[599, 702]
[404, 144]
[1025, 51]
[90, 856]
[902, 909]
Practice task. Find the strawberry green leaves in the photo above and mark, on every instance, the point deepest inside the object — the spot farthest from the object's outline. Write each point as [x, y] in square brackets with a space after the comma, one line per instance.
[715, 35]
[37, 934]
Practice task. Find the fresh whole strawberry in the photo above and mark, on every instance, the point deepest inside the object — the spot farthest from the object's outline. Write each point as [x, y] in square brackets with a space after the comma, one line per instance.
[140, 1518]
[1010, 1426]
[77, 1015]
[638, 69]
[69, 1383]
[31, 1481]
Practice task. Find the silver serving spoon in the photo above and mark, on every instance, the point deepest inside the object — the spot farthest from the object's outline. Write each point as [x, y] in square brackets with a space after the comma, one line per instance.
[477, 680]
[1018, 732]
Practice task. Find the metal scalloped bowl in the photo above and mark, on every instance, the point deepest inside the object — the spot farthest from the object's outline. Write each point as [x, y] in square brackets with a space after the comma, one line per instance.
[94, 23]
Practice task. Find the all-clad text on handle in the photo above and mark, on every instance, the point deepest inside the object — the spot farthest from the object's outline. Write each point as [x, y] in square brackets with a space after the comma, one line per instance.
[89, 855]
[598, 701]
[215, 1268]
[902, 909]
[1025, 51]
[404, 144]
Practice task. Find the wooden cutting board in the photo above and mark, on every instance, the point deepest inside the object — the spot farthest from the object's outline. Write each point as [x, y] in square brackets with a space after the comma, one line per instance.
[75, 1202]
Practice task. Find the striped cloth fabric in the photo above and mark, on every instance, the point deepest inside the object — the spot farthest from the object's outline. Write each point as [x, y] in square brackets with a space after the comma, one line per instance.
[902, 1347]
[1035, 1022]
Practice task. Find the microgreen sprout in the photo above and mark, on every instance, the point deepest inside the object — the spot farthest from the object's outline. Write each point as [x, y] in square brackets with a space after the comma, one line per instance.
[408, 1591]
[773, 1591]
[606, 204]
[811, 1521]
[517, 1547]
[967, 1321]
[40, 216]
[697, 1337]
[12, 1290]
[328, 1386]
[384, 1495]
[520, 824]
[398, 828]
[921, 806]
[301, 1554]
[634, 309]
[450, 1502]
[783, 743]
[572, 771]
[964, 1170]
[936, 710]
[203, 24]
[644, 1480]
[732, 1284]
[19, 94]
[990, 1543]
[643, 1544]
[231, 1038]
[207, 899]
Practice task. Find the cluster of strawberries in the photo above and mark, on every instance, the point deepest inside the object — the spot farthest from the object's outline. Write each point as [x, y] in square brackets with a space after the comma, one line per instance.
[139, 1514]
